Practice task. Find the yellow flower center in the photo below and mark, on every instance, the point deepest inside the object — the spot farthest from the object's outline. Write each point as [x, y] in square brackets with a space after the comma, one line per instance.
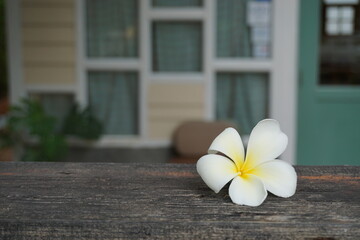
[243, 171]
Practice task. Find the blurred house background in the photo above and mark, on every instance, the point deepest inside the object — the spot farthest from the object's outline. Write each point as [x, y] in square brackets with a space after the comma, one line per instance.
[146, 66]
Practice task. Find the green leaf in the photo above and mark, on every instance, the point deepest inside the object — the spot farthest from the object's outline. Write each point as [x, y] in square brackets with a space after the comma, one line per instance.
[82, 124]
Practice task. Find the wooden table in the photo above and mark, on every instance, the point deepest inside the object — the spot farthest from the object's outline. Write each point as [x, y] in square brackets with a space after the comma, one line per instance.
[132, 201]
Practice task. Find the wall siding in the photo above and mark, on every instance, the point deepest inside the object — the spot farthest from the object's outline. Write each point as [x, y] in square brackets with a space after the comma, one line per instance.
[170, 104]
[49, 41]
[46, 35]
[50, 75]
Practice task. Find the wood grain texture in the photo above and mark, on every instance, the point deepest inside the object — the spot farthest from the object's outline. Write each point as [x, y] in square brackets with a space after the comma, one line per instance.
[168, 201]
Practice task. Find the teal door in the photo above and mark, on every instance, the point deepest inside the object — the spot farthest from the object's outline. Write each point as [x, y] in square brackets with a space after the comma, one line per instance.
[329, 83]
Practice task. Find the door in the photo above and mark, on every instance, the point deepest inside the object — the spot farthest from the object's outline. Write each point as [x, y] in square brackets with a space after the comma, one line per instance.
[329, 83]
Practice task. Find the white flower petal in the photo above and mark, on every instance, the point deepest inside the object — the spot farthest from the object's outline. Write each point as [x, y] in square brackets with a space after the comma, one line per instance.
[279, 177]
[229, 143]
[247, 190]
[216, 171]
[266, 143]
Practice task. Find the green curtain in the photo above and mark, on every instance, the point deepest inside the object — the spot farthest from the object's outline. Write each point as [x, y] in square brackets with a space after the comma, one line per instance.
[112, 28]
[233, 33]
[113, 98]
[242, 98]
[177, 47]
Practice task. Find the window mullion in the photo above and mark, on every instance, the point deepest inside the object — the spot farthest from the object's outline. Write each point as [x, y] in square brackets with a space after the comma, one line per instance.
[144, 58]
[209, 24]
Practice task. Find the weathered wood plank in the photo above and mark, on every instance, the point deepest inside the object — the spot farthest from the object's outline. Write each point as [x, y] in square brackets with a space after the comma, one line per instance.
[132, 201]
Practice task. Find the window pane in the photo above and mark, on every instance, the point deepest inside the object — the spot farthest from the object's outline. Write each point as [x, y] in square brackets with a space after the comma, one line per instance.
[112, 28]
[338, 49]
[113, 98]
[242, 98]
[243, 28]
[55, 104]
[177, 47]
[177, 3]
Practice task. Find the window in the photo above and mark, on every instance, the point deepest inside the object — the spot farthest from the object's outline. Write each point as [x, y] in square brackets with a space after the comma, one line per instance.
[339, 57]
[112, 39]
[177, 47]
[242, 37]
[113, 97]
[339, 20]
[111, 28]
[242, 98]
[178, 40]
[243, 29]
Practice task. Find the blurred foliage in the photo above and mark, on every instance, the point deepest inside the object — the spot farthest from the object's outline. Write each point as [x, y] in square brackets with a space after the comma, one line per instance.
[5, 138]
[29, 126]
[3, 66]
[82, 124]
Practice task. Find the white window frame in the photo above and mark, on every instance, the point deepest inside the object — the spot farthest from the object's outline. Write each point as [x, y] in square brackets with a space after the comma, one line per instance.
[282, 67]
[142, 65]
[14, 50]
[117, 64]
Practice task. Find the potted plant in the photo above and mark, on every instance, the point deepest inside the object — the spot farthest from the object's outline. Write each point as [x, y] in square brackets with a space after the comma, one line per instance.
[34, 136]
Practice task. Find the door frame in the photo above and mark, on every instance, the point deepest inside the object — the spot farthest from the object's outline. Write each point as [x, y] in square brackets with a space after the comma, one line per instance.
[284, 78]
[308, 67]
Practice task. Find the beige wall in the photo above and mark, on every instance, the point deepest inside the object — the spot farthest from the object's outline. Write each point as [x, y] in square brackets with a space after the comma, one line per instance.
[169, 104]
[48, 30]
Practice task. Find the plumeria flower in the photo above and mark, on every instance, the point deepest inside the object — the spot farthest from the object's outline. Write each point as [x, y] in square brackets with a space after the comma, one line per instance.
[252, 176]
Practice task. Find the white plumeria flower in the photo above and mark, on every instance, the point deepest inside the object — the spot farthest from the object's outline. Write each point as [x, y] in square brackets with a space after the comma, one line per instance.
[254, 175]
